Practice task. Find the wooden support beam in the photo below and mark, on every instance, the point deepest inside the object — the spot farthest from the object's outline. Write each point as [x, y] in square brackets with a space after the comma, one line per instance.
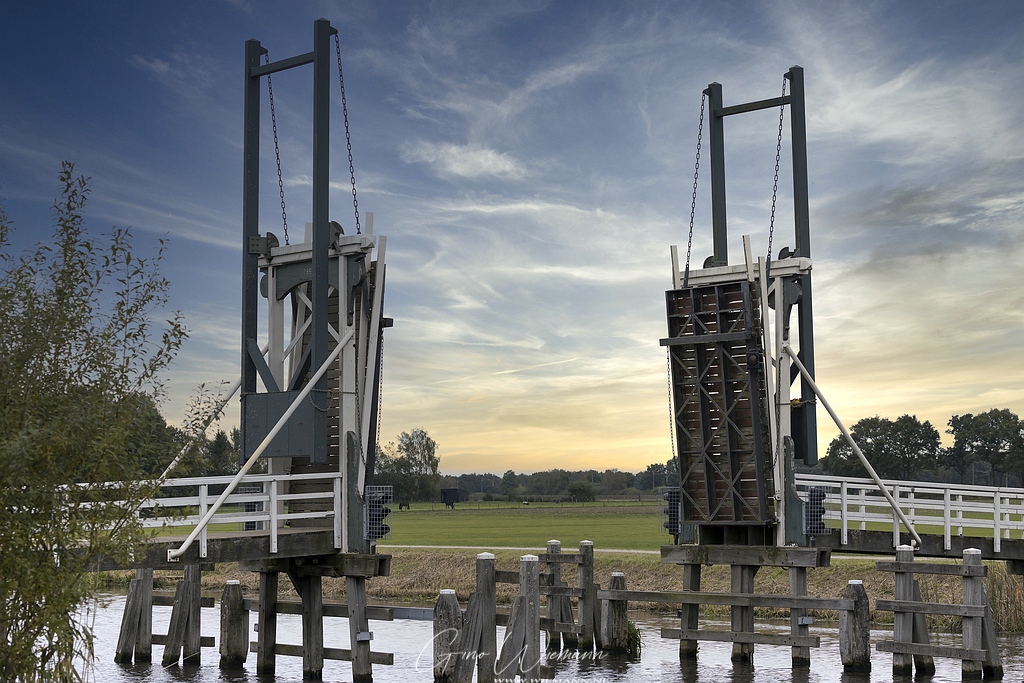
[615, 619]
[924, 665]
[933, 650]
[743, 616]
[554, 606]
[359, 630]
[689, 616]
[742, 637]
[128, 635]
[903, 622]
[798, 623]
[332, 653]
[310, 590]
[974, 594]
[191, 646]
[512, 646]
[529, 587]
[447, 625]
[745, 555]
[941, 569]
[585, 642]
[144, 637]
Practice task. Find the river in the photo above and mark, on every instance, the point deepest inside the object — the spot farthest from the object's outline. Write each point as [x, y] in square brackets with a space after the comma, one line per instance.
[410, 641]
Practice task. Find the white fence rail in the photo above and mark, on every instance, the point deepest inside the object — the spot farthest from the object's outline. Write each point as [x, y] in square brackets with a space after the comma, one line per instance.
[933, 508]
[269, 508]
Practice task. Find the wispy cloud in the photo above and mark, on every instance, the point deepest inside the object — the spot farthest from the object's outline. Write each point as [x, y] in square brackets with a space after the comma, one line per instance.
[464, 161]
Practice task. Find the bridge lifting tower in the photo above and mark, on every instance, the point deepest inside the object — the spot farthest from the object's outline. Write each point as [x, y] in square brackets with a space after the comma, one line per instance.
[737, 429]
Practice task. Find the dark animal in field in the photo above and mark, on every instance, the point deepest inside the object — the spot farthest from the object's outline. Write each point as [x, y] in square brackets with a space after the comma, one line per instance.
[449, 504]
[403, 505]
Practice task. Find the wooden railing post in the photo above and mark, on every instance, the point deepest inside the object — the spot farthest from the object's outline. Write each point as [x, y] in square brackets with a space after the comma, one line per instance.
[485, 588]
[855, 630]
[690, 613]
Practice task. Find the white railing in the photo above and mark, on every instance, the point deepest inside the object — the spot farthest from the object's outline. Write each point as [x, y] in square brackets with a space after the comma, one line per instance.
[270, 508]
[933, 508]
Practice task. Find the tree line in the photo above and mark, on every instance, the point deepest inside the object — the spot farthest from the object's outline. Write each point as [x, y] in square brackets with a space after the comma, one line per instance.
[987, 449]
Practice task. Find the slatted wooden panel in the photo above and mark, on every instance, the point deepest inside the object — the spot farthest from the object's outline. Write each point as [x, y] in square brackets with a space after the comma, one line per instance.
[720, 416]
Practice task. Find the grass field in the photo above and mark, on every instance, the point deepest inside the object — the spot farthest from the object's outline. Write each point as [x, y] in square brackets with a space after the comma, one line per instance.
[612, 524]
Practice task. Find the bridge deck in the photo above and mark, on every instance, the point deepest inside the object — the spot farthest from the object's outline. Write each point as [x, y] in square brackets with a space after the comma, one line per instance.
[236, 546]
[933, 545]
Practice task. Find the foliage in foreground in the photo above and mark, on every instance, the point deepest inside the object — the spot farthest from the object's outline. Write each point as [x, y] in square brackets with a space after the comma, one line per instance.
[80, 365]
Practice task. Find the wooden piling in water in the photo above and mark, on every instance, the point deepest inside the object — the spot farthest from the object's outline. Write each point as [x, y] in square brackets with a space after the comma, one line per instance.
[903, 622]
[743, 615]
[144, 638]
[447, 625]
[554, 606]
[689, 615]
[855, 630]
[359, 629]
[974, 594]
[798, 619]
[486, 592]
[191, 647]
[266, 632]
[924, 665]
[129, 625]
[615, 618]
[234, 627]
[310, 590]
[585, 642]
[529, 587]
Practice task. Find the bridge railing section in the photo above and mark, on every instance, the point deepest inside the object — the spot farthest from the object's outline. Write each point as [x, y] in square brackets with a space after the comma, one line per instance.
[933, 508]
[262, 502]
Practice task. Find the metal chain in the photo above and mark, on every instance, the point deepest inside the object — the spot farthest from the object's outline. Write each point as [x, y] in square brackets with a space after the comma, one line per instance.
[277, 153]
[348, 137]
[693, 199]
[775, 185]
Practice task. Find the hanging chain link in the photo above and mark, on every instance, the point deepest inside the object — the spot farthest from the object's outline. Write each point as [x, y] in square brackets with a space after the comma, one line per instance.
[277, 153]
[775, 185]
[671, 412]
[348, 137]
[693, 199]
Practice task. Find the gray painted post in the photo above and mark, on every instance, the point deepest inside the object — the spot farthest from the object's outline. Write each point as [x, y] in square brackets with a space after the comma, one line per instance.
[554, 608]
[191, 648]
[743, 616]
[144, 636]
[485, 588]
[974, 594]
[924, 665]
[586, 585]
[903, 622]
[447, 624]
[266, 629]
[798, 588]
[234, 627]
[614, 618]
[529, 586]
[359, 629]
[689, 614]
[855, 630]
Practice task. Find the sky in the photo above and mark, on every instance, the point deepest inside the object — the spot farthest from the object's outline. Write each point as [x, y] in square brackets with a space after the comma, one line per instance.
[531, 163]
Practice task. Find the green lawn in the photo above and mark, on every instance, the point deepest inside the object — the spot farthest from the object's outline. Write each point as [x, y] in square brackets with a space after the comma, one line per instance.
[608, 525]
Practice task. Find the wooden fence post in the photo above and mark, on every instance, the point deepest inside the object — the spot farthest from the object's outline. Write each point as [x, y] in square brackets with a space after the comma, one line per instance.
[586, 585]
[129, 624]
[903, 622]
[855, 630]
[486, 589]
[144, 639]
[974, 594]
[529, 587]
[554, 607]
[447, 624]
[359, 629]
[924, 665]
[234, 627]
[615, 617]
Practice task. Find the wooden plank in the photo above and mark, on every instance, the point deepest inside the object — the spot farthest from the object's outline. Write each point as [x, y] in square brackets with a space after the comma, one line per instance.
[176, 627]
[204, 641]
[144, 636]
[468, 645]
[485, 588]
[129, 624]
[331, 609]
[924, 665]
[923, 568]
[561, 591]
[797, 622]
[560, 558]
[933, 650]
[554, 605]
[502, 576]
[972, 627]
[743, 599]
[930, 608]
[334, 653]
[689, 615]
[167, 600]
[903, 622]
[745, 555]
[754, 638]
[515, 639]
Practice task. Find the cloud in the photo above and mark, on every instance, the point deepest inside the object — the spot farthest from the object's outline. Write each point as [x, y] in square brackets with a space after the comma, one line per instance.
[464, 161]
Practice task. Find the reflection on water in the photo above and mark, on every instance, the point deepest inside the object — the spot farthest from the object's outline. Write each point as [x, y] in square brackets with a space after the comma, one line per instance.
[411, 643]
